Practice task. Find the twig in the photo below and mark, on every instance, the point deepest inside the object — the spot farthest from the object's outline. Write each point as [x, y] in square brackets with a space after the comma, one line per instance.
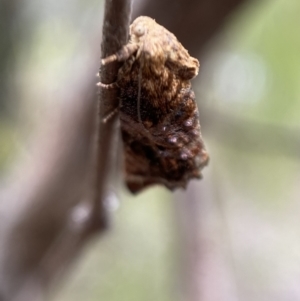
[115, 35]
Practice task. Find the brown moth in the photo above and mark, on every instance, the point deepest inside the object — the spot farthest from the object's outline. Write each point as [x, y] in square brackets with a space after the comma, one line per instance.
[158, 112]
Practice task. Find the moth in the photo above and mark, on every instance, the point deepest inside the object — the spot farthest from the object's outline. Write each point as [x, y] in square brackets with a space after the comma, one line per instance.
[158, 112]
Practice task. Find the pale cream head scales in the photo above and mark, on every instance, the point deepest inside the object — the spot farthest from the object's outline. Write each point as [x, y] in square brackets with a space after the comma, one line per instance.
[138, 28]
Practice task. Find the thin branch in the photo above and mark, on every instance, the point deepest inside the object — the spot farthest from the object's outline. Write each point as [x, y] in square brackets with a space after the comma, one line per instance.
[115, 35]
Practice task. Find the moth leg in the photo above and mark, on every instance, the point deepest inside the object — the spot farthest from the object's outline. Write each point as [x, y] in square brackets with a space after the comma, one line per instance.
[122, 55]
[113, 85]
[110, 115]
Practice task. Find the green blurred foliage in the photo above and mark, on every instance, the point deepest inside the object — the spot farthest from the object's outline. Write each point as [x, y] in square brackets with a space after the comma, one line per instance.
[270, 31]
[7, 145]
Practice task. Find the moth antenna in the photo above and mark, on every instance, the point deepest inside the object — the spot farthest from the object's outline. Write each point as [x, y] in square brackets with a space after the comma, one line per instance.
[122, 55]
[139, 96]
[140, 88]
[139, 110]
[110, 115]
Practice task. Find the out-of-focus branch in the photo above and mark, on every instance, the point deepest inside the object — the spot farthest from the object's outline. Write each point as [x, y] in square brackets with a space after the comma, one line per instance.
[38, 199]
[38, 237]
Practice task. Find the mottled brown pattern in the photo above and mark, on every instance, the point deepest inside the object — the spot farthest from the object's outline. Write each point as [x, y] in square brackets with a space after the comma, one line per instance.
[158, 112]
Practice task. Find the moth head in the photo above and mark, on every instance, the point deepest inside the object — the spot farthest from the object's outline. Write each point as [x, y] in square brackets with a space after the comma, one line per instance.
[139, 28]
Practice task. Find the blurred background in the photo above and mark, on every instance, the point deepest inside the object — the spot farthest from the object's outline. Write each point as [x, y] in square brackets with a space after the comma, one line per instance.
[234, 235]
